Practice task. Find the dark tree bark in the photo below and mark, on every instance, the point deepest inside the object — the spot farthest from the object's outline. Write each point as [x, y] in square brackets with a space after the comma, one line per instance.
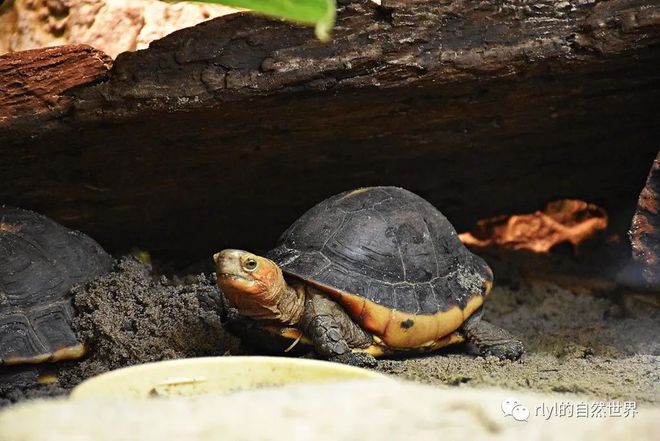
[645, 230]
[222, 134]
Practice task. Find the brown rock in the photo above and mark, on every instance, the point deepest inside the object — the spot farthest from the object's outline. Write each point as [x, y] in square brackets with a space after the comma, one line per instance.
[113, 26]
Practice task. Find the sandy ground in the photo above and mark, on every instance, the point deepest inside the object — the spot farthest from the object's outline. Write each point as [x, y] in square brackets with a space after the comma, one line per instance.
[575, 343]
[587, 343]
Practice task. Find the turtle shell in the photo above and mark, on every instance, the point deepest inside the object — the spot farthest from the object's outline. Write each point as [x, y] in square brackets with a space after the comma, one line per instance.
[40, 261]
[391, 259]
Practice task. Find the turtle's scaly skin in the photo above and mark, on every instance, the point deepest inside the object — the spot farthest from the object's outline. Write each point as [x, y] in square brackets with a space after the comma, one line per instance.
[392, 260]
[40, 261]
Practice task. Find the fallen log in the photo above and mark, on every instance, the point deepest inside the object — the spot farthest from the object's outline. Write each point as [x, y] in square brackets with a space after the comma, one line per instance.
[224, 133]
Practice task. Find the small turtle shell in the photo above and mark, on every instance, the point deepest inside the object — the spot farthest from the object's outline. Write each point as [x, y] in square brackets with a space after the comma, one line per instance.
[393, 249]
[40, 261]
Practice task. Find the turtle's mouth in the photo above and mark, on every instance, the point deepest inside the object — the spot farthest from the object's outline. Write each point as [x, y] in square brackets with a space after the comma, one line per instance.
[233, 276]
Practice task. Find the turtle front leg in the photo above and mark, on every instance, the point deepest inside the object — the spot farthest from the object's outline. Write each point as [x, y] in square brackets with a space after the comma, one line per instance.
[333, 332]
[491, 340]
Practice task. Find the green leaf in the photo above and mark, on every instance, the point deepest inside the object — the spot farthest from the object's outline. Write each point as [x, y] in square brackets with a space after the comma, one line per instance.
[320, 13]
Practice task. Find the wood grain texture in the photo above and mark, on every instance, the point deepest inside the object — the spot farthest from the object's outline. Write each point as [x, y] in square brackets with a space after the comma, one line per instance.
[224, 133]
[645, 230]
[33, 83]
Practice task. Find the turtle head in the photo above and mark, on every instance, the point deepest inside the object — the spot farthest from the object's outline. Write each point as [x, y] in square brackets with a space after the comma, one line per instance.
[253, 284]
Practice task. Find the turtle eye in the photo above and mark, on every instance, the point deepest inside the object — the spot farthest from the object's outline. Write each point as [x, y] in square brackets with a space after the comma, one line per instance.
[250, 264]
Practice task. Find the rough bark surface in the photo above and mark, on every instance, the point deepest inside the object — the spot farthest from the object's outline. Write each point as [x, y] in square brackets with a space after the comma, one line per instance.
[222, 134]
[33, 83]
[645, 231]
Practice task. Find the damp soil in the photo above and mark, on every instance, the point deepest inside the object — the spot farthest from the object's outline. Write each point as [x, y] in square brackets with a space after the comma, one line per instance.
[581, 338]
[127, 317]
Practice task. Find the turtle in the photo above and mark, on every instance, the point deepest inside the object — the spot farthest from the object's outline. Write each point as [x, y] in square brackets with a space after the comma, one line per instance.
[366, 273]
[40, 261]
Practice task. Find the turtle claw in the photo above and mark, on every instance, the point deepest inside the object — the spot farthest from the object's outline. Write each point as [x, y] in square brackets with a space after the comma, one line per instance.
[509, 350]
[494, 341]
[358, 359]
